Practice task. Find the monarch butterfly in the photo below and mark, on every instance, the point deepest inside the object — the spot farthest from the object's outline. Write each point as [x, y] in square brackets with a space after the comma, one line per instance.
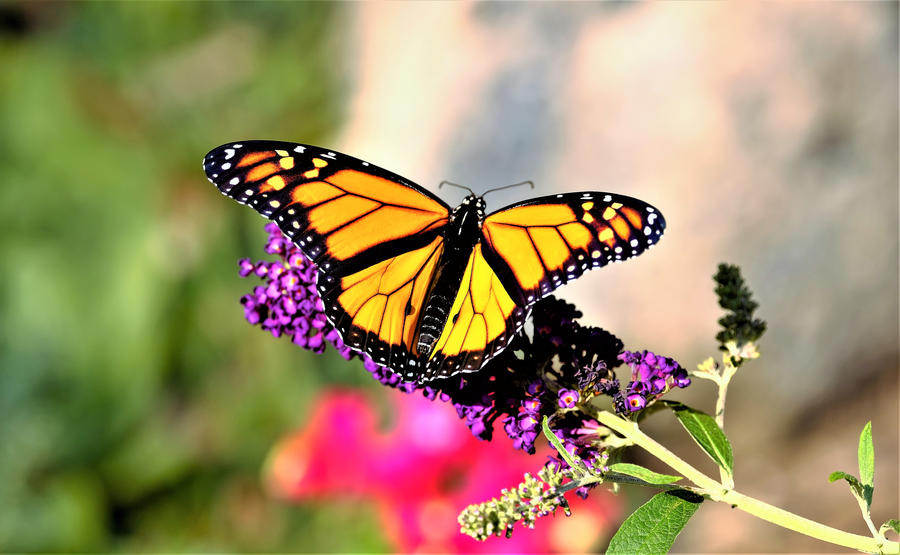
[425, 289]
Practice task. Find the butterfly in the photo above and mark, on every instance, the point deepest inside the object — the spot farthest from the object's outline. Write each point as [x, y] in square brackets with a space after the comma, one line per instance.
[422, 288]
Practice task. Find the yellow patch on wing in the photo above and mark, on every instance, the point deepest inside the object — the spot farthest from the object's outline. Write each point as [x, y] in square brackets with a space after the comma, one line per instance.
[379, 298]
[607, 236]
[479, 313]
[274, 183]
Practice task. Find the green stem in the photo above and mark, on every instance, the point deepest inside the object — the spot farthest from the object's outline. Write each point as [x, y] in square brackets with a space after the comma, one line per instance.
[718, 492]
[727, 373]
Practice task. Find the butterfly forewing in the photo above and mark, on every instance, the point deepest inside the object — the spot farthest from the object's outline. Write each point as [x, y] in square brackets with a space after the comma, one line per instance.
[538, 245]
[343, 213]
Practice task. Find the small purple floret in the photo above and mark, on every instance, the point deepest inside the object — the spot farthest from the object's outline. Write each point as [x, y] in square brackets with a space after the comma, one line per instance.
[652, 375]
[568, 398]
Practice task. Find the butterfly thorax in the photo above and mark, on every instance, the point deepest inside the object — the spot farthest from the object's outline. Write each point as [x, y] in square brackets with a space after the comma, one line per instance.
[460, 236]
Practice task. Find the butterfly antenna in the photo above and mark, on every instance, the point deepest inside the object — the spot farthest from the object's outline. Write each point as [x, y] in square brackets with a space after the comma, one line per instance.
[455, 185]
[529, 182]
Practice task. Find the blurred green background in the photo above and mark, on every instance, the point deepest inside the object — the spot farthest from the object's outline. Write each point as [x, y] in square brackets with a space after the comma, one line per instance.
[137, 406]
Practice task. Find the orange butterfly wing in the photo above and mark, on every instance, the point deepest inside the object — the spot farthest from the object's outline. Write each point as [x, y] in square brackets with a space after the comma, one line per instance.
[378, 308]
[343, 213]
[538, 245]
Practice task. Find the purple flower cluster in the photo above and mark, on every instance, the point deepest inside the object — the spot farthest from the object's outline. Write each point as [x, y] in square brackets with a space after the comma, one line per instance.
[523, 426]
[288, 304]
[652, 375]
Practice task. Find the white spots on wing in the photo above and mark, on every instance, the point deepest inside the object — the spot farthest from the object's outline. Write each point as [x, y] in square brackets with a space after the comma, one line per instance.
[607, 198]
[647, 230]
[248, 192]
[650, 209]
[299, 149]
[296, 224]
[329, 155]
[634, 242]
[226, 165]
[651, 218]
[365, 163]
[234, 181]
[571, 268]
[618, 249]
[595, 254]
[237, 145]
[229, 152]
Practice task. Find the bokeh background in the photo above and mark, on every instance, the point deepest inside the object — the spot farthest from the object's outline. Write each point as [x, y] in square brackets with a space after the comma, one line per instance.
[139, 411]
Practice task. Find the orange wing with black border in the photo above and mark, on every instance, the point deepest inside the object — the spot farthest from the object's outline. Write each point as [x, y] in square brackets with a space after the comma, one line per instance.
[343, 213]
[538, 245]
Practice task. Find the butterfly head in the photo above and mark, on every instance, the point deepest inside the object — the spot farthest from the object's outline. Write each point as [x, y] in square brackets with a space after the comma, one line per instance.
[472, 205]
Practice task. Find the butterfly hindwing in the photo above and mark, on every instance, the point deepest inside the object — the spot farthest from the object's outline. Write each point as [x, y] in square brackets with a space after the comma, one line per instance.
[538, 245]
[482, 321]
[343, 213]
[378, 308]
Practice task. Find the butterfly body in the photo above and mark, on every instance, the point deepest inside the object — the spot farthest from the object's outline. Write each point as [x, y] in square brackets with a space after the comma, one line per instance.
[462, 233]
[424, 289]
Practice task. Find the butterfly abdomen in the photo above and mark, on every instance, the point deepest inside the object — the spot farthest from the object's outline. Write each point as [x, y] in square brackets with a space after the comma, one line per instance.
[434, 319]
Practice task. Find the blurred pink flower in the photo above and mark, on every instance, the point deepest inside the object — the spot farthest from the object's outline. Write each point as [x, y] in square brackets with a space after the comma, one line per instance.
[420, 474]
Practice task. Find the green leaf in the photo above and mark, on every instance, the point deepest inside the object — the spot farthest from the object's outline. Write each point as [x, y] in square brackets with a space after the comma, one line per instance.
[866, 456]
[706, 433]
[573, 462]
[653, 527]
[892, 524]
[642, 473]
